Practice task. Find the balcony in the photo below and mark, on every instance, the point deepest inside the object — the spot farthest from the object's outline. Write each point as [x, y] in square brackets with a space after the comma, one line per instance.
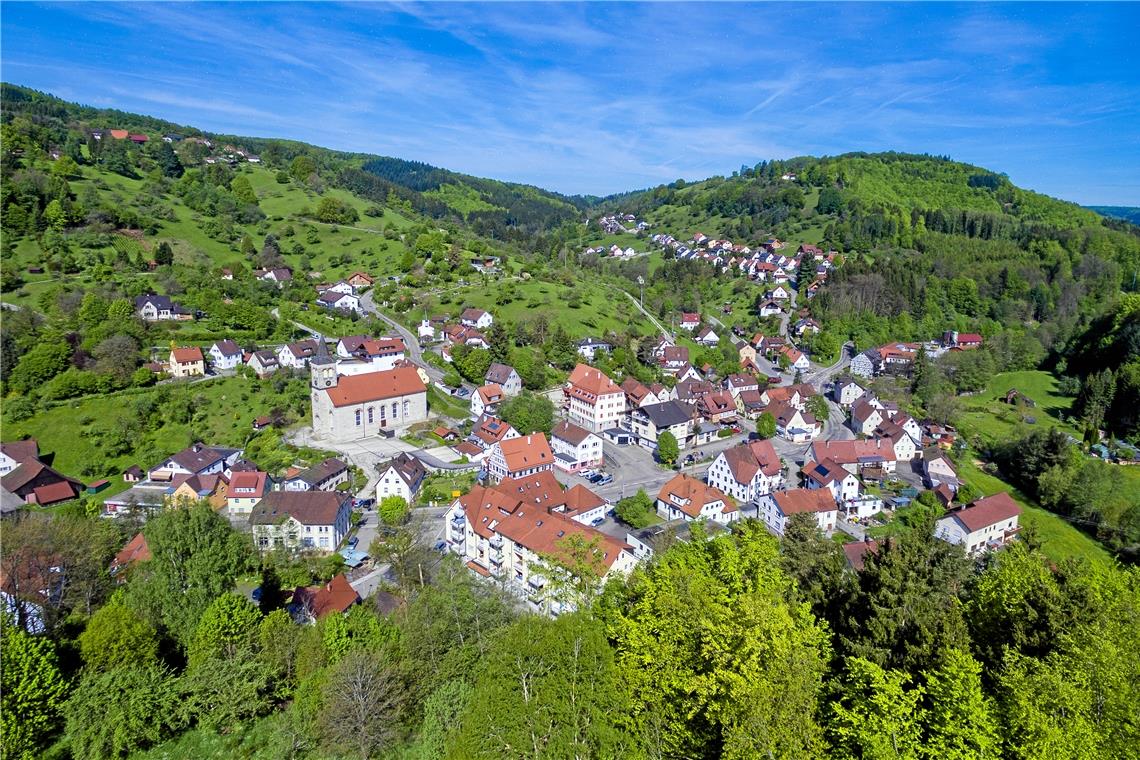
[458, 521]
[496, 555]
[496, 542]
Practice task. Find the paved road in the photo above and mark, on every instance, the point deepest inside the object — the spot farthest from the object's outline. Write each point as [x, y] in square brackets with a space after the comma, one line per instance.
[305, 328]
[415, 351]
[634, 467]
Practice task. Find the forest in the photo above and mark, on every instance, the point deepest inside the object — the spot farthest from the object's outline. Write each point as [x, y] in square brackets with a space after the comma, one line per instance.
[728, 645]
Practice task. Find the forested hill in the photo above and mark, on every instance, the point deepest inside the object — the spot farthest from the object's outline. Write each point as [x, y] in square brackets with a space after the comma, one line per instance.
[1129, 214]
[858, 200]
[504, 210]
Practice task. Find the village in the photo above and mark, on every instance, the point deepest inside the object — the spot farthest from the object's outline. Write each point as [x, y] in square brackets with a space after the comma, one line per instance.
[780, 437]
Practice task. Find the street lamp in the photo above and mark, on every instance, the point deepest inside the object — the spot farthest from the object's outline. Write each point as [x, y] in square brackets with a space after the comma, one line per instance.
[641, 282]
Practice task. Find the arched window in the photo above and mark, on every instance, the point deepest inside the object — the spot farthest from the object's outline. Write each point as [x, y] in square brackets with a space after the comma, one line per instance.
[370, 415]
[407, 404]
[358, 418]
[395, 410]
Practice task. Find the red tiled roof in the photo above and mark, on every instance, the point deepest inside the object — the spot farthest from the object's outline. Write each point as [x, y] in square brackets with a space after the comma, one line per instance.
[745, 460]
[136, 550]
[21, 451]
[695, 493]
[568, 431]
[376, 386]
[804, 500]
[586, 382]
[61, 490]
[526, 451]
[857, 552]
[187, 355]
[988, 511]
[335, 596]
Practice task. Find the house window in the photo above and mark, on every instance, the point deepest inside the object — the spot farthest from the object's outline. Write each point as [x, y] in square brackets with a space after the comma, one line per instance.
[395, 409]
[358, 418]
[369, 414]
[407, 405]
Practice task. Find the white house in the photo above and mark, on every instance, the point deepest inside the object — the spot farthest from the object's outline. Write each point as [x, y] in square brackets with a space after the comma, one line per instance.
[519, 457]
[688, 499]
[846, 392]
[650, 421]
[575, 448]
[505, 377]
[690, 321]
[476, 318]
[225, 354]
[748, 471]
[779, 293]
[301, 520]
[197, 459]
[486, 400]
[401, 476]
[938, 468]
[828, 474]
[596, 402]
[775, 508]
[589, 347]
[508, 531]
[263, 363]
[770, 308]
[866, 417]
[988, 523]
[296, 355]
[794, 425]
[246, 490]
[14, 453]
[345, 301]
[707, 337]
[342, 287]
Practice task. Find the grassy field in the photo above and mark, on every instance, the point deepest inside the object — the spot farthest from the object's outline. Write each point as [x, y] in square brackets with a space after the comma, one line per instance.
[988, 416]
[332, 250]
[217, 412]
[583, 309]
[1060, 540]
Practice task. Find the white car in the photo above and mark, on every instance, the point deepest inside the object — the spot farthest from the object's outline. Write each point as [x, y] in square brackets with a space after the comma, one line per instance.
[586, 473]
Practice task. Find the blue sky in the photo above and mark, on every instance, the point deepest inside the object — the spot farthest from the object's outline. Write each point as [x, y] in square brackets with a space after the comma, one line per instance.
[601, 98]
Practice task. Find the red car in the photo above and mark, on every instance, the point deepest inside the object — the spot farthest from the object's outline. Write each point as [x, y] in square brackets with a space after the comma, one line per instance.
[774, 379]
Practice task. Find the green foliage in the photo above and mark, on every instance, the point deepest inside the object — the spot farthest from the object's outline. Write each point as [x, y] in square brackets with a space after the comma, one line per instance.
[766, 425]
[116, 636]
[636, 511]
[196, 556]
[40, 364]
[32, 691]
[713, 653]
[113, 714]
[961, 723]
[667, 447]
[528, 413]
[335, 211]
[879, 715]
[393, 510]
[226, 630]
[548, 688]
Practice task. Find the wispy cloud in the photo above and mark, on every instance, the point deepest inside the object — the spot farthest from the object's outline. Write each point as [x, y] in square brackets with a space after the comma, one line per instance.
[603, 97]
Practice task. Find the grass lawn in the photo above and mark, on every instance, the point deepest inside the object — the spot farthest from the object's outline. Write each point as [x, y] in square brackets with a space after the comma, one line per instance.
[1059, 539]
[449, 406]
[987, 415]
[221, 412]
[599, 308]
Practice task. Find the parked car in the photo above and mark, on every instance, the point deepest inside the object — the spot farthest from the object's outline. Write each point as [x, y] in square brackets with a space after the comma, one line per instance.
[587, 473]
[440, 546]
[352, 542]
[597, 521]
[364, 503]
[605, 480]
[594, 477]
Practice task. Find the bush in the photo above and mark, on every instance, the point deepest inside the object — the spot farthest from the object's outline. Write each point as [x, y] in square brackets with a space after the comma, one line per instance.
[635, 511]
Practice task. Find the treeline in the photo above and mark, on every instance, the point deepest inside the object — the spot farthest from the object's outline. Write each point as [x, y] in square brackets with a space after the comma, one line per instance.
[1091, 492]
[734, 646]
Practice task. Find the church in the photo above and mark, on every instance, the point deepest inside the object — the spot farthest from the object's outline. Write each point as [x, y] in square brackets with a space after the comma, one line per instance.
[352, 407]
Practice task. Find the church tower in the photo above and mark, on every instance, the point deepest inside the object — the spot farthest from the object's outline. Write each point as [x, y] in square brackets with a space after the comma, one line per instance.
[322, 367]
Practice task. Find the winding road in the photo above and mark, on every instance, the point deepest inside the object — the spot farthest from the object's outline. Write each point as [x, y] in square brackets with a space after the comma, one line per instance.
[415, 351]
